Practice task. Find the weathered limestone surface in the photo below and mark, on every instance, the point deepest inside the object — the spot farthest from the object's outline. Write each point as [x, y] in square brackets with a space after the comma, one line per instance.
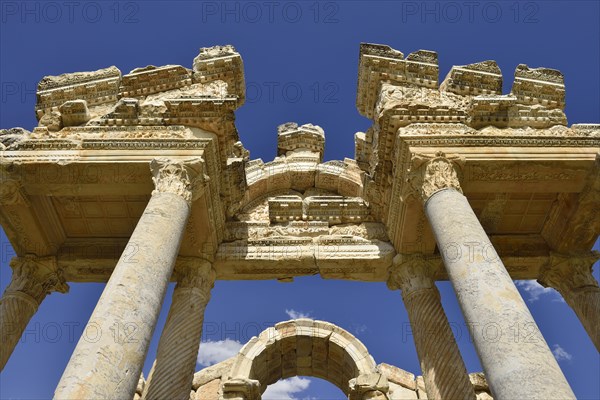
[229, 378]
[126, 314]
[173, 371]
[76, 189]
[443, 369]
[572, 277]
[32, 280]
[512, 350]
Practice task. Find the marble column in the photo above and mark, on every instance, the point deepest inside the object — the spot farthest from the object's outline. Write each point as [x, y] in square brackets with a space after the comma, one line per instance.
[572, 277]
[515, 357]
[173, 371]
[33, 278]
[109, 356]
[444, 371]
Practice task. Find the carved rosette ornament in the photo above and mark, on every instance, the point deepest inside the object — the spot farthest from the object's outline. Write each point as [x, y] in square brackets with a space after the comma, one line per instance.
[181, 177]
[572, 277]
[432, 174]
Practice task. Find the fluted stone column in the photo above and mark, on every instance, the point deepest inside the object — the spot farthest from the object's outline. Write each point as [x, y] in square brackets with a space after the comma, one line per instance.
[444, 371]
[32, 280]
[109, 357]
[173, 371]
[515, 357]
[572, 277]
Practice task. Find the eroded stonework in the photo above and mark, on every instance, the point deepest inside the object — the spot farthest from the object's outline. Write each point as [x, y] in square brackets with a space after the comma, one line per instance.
[77, 190]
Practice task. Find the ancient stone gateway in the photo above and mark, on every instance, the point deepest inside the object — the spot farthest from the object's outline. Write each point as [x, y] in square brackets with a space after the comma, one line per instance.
[309, 348]
[140, 179]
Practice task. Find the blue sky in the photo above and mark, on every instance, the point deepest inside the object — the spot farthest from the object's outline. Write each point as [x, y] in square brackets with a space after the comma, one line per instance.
[301, 61]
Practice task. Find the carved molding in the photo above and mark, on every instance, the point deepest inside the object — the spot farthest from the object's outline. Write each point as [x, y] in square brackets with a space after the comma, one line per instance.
[432, 174]
[183, 178]
[569, 274]
[36, 277]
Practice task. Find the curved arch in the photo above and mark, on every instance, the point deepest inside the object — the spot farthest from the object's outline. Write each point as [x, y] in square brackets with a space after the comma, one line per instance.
[341, 177]
[304, 347]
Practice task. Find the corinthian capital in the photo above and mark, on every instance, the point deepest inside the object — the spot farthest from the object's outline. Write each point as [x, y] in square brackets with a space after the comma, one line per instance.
[569, 274]
[181, 177]
[432, 174]
[412, 273]
[195, 273]
[36, 277]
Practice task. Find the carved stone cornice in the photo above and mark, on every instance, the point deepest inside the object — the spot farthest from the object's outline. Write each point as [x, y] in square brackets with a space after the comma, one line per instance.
[181, 177]
[570, 274]
[195, 273]
[412, 273]
[432, 174]
[35, 277]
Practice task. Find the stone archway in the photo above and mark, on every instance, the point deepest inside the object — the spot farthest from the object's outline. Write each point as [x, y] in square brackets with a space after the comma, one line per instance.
[304, 347]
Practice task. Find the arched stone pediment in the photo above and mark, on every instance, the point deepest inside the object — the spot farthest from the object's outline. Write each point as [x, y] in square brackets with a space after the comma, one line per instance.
[300, 172]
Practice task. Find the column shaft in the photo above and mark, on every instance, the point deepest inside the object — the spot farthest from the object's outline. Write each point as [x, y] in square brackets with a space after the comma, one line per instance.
[173, 372]
[444, 371]
[516, 358]
[110, 354]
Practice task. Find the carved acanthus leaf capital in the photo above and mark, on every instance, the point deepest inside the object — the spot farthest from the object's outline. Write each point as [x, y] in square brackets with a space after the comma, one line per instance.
[195, 273]
[36, 277]
[570, 273]
[184, 178]
[413, 272]
[429, 175]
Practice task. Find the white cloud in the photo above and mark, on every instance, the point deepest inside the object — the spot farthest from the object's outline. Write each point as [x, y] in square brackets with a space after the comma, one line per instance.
[212, 352]
[293, 314]
[359, 328]
[561, 354]
[285, 389]
[534, 290]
